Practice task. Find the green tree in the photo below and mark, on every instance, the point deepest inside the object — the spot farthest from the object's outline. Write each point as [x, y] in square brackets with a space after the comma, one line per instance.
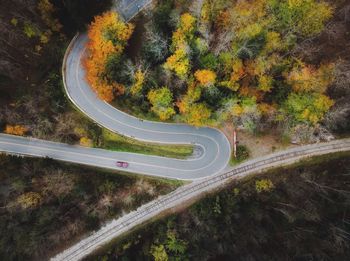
[309, 108]
[162, 102]
[304, 17]
[175, 245]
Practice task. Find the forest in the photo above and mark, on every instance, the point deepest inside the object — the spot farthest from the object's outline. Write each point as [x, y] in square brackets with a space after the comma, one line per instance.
[263, 65]
[32, 97]
[295, 213]
[46, 205]
[211, 62]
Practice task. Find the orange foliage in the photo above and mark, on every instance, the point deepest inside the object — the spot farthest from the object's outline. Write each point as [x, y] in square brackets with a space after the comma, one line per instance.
[205, 77]
[223, 19]
[251, 92]
[15, 129]
[107, 36]
[266, 109]
[238, 70]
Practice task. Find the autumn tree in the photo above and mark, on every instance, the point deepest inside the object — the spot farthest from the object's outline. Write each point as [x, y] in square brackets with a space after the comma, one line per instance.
[162, 102]
[197, 114]
[179, 61]
[265, 83]
[307, 78]
[248, 18]
[139, 79]
[193, 94]
[304, 17]
[237, 73]
[15, 129]
[205, 77]
[108, 36]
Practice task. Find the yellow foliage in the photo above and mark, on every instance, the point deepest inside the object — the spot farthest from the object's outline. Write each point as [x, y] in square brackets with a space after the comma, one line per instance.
[237, 110]
[179, 61]
[264, 185]
[266, 109]
[265, 83]
[316, 14]
[307, 78]
[249, 18]
[322, 105]
[197, 114]
[193, 94]
[15, 129]
[323, 102]
[237, 70]
[205, 77]
[205, 12]
[187, 22]
[273, 42]
[250, 31]
[162, 102]
[29, 200]
[86, 142]
[139, 80]
[14, 21]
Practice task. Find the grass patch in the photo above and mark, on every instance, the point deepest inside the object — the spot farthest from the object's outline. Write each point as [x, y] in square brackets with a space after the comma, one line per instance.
[117, 142]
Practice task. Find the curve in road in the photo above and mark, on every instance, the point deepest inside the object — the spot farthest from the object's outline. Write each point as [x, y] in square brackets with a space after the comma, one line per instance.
[216, 147]
[214, 144]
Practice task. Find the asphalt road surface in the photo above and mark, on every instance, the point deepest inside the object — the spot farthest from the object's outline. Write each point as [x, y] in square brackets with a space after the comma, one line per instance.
[129, 8]
[207, 169]
[215, 146]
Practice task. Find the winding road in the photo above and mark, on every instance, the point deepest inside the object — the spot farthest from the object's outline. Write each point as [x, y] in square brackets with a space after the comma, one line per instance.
[207, 170]
[214, 144]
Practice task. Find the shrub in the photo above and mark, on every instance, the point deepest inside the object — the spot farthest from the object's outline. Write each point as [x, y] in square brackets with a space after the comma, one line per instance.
[263, 185]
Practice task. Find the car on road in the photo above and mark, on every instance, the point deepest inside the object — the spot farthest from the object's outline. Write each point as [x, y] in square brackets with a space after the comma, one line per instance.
[122, 164]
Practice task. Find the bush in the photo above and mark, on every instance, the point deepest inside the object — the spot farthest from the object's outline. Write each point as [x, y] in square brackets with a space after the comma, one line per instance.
[242, 154]
[264, 185]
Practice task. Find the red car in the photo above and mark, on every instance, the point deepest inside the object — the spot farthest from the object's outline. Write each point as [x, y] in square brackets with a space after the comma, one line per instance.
[122, 164]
